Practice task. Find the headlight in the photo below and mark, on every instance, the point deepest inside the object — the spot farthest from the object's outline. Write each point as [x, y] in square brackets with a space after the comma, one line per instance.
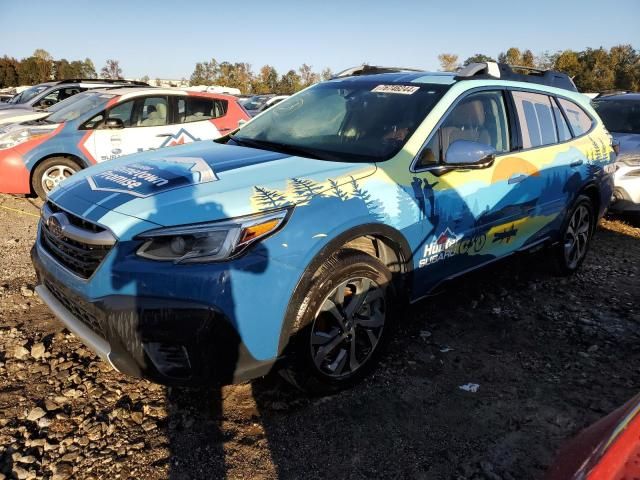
[11, 139]
[209, 242]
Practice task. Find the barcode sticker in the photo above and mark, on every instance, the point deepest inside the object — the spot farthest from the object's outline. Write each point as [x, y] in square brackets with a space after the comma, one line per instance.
[400, 89]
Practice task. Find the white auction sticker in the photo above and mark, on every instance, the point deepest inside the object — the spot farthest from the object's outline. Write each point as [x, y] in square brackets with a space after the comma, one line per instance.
[401, 89]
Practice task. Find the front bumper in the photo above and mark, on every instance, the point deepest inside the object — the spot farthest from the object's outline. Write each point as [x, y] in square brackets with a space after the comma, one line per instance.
[167, 341]
[14, 176]
[627, 188]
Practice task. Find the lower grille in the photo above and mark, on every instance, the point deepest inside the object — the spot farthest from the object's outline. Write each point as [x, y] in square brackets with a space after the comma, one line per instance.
[80, 309]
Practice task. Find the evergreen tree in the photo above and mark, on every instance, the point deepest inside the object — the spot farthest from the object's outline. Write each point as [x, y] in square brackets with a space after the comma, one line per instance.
[374, 207]
[269, 198]
[335, 188]
[305, 189]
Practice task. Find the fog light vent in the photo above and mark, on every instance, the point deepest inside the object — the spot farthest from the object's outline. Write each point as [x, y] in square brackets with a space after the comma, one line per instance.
[170, 360]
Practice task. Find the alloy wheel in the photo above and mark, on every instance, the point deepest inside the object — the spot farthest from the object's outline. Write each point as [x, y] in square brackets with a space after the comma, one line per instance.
[576, 237]
[348, 326]
[52, 176]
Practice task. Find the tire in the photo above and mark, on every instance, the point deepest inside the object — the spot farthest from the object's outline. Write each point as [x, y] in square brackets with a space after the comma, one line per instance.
[337, 342]
[50, 172]
[575, 237]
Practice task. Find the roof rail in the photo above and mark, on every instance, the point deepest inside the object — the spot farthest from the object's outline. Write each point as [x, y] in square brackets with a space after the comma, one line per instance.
[371, 70]
[512, 72]
[609, 93]
[119, 81]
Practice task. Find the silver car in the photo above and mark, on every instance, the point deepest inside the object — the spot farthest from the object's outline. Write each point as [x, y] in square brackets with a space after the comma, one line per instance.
[30, 104]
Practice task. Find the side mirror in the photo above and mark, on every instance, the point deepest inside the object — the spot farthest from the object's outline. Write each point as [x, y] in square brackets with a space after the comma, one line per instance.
[113, 123]
[46, 103]
[241, 123]
[463, 153]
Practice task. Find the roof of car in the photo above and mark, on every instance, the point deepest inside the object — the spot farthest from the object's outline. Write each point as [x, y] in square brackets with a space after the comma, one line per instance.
[400, 77]
[488, 71]
[130, 92]
[619, 96]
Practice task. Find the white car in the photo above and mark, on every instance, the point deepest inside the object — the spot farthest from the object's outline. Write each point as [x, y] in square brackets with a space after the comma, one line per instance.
[621, 115]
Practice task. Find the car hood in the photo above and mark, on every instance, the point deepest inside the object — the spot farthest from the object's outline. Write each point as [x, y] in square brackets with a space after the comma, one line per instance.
[18, 125]
[14, 106]
[203, 181]
[629, 145]
[629, 142]
[10, 114]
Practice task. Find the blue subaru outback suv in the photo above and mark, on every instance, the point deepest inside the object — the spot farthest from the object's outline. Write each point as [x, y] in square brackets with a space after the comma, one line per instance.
[293, 241]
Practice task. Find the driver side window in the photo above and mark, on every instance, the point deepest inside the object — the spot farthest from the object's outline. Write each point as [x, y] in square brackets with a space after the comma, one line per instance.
[481, 117]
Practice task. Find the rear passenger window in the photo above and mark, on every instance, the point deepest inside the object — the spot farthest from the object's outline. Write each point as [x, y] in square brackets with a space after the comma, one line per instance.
[195, 109]
[536, 119]
[564, 133]
[580, 122]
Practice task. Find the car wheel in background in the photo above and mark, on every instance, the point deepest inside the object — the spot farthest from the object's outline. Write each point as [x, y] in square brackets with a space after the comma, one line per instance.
[342, 323]
[575, 237]
[50, 172]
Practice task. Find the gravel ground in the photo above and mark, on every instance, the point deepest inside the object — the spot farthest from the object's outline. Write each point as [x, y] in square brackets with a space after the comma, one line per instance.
[550, 356]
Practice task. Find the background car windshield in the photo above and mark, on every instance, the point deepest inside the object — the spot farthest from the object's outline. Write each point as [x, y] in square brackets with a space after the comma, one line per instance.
[254, 103]
[620, 116]
[347, 120]
[26, 95]
[79, 105]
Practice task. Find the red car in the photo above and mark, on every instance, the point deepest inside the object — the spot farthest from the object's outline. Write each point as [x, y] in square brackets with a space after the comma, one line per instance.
[100, 125]
[607, 450]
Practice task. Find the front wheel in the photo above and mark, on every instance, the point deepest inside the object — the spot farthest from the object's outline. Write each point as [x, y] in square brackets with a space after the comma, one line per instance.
[50, 172]
[575, 237]
[342, 323]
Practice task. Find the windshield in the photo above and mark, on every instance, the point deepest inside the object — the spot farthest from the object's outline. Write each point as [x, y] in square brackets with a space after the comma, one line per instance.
[620, 116]
[28, 94]
[81, 104]
[348, 120]
[254, 103]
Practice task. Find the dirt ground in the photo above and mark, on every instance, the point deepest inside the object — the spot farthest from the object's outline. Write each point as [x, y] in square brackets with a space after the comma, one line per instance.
[550, 356]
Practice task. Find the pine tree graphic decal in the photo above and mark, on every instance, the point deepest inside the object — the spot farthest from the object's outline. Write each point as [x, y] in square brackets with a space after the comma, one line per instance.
[269, 198]
[305, 189]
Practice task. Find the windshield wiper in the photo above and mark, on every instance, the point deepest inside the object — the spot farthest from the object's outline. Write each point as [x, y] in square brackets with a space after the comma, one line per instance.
[281, 147]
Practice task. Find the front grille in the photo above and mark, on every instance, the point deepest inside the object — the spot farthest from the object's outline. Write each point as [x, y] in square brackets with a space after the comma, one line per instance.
[79, 308]
[81, 258]
[75, 220]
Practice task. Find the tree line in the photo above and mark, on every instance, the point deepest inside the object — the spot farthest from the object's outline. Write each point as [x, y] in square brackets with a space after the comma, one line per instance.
[267, 80]
[41, 67]
[592, 69]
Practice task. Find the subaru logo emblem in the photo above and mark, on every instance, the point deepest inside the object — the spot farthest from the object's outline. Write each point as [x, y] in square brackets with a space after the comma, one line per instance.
[54, 227]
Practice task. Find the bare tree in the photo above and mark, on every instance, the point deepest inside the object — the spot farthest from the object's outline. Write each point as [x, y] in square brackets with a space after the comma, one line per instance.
[111, 70]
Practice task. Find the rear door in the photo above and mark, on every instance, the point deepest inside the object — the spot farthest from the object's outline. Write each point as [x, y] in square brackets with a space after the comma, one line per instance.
[200, 118]
[545, 146]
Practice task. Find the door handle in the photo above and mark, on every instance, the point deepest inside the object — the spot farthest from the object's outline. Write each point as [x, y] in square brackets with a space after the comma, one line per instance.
[517, 179]
[576, 163]
[164, 135]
